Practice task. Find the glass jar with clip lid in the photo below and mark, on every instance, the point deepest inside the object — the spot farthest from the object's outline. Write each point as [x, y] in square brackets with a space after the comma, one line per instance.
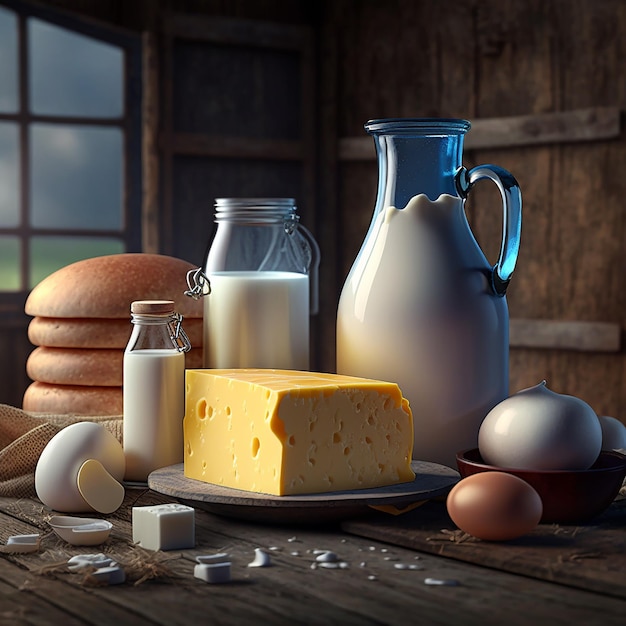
[262, 269]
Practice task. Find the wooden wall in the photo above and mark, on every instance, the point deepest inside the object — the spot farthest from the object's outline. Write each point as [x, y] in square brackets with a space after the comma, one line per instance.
[495, 59]
[484, 61]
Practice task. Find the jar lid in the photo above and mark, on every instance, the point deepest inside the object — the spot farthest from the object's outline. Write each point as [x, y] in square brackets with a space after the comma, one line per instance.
[256, 210]
[255, 203]
[152, 307]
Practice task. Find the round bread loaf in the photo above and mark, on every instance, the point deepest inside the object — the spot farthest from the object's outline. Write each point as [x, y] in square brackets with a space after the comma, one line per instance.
[59, 332]
[85, 367]
[76, 366]
[105, 286]
[73, 400]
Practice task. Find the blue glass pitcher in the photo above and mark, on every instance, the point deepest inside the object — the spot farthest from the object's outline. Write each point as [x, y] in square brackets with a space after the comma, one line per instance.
[421, 305]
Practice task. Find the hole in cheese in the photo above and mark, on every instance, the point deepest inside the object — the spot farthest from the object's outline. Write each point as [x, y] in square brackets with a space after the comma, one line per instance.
[292, 441]
[256, 444]
[201, 408]
[336, 438]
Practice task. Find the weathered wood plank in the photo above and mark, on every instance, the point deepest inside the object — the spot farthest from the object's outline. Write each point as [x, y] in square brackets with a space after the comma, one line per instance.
[591, 124]
[371, 590]
[587, 556]
[565, 335]
[326, 210]
[236, 147]
[571, 256]
[150, 155]
[41, 606]
[225, 30]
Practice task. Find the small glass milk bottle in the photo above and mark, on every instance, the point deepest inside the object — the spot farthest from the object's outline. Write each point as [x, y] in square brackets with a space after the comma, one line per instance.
[154, 389]
[262, 268]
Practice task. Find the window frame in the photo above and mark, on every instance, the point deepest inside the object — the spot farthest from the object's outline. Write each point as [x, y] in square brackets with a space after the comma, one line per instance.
[130, 123]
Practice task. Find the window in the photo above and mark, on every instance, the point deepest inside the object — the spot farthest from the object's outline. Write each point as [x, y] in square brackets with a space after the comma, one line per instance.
[70, 150]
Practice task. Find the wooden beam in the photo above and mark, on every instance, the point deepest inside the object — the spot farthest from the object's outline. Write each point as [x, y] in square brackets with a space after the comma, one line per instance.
[235, 147]
[150, 155]
[564, 127]
[230, 31]
[508, 132]
[565, 335]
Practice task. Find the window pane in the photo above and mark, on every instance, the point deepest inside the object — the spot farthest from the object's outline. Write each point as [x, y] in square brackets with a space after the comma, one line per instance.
[49, 254]
[71, 74]
[10, 264]
[8, 61]
[9, 175]
[77, 178]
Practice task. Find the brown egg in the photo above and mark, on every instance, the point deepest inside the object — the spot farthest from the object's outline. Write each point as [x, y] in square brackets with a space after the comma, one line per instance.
[494, 506]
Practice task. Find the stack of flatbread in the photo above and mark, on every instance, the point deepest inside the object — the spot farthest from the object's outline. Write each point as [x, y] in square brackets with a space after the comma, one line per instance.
[81, 326]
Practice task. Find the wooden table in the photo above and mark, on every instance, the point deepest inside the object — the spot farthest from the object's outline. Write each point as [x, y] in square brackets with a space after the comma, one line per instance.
[556, 575]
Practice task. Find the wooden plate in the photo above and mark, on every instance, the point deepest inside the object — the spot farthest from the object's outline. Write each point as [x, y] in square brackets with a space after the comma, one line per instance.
[431, 481]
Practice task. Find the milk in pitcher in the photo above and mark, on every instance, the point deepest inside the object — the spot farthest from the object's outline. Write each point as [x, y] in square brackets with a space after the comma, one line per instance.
[417, 309]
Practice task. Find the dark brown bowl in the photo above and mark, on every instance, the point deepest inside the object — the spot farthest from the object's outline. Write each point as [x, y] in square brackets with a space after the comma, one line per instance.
[569, 497]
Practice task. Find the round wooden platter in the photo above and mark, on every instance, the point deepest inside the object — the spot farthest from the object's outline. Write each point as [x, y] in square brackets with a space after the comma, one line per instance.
[431, 481]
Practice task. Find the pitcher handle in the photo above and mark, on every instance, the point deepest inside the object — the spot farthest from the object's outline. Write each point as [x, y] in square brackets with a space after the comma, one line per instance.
[512, 217]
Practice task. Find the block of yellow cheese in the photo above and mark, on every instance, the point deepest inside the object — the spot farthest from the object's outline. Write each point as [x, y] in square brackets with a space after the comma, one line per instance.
[285, 432]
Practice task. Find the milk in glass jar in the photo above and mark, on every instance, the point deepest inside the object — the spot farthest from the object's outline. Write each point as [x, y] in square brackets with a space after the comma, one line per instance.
[262, 269]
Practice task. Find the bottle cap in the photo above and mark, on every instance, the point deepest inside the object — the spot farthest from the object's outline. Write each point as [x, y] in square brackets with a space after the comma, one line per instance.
[152, 307]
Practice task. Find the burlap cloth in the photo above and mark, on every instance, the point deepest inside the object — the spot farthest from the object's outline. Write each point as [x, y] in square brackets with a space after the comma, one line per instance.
[24, 435]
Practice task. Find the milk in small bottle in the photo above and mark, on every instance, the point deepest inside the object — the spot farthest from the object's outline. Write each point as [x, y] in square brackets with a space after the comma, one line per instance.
[154, 389]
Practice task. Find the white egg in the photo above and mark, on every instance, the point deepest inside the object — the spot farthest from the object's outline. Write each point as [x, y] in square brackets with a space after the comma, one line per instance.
[58, 466]
[613, 433]
[541, 430]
